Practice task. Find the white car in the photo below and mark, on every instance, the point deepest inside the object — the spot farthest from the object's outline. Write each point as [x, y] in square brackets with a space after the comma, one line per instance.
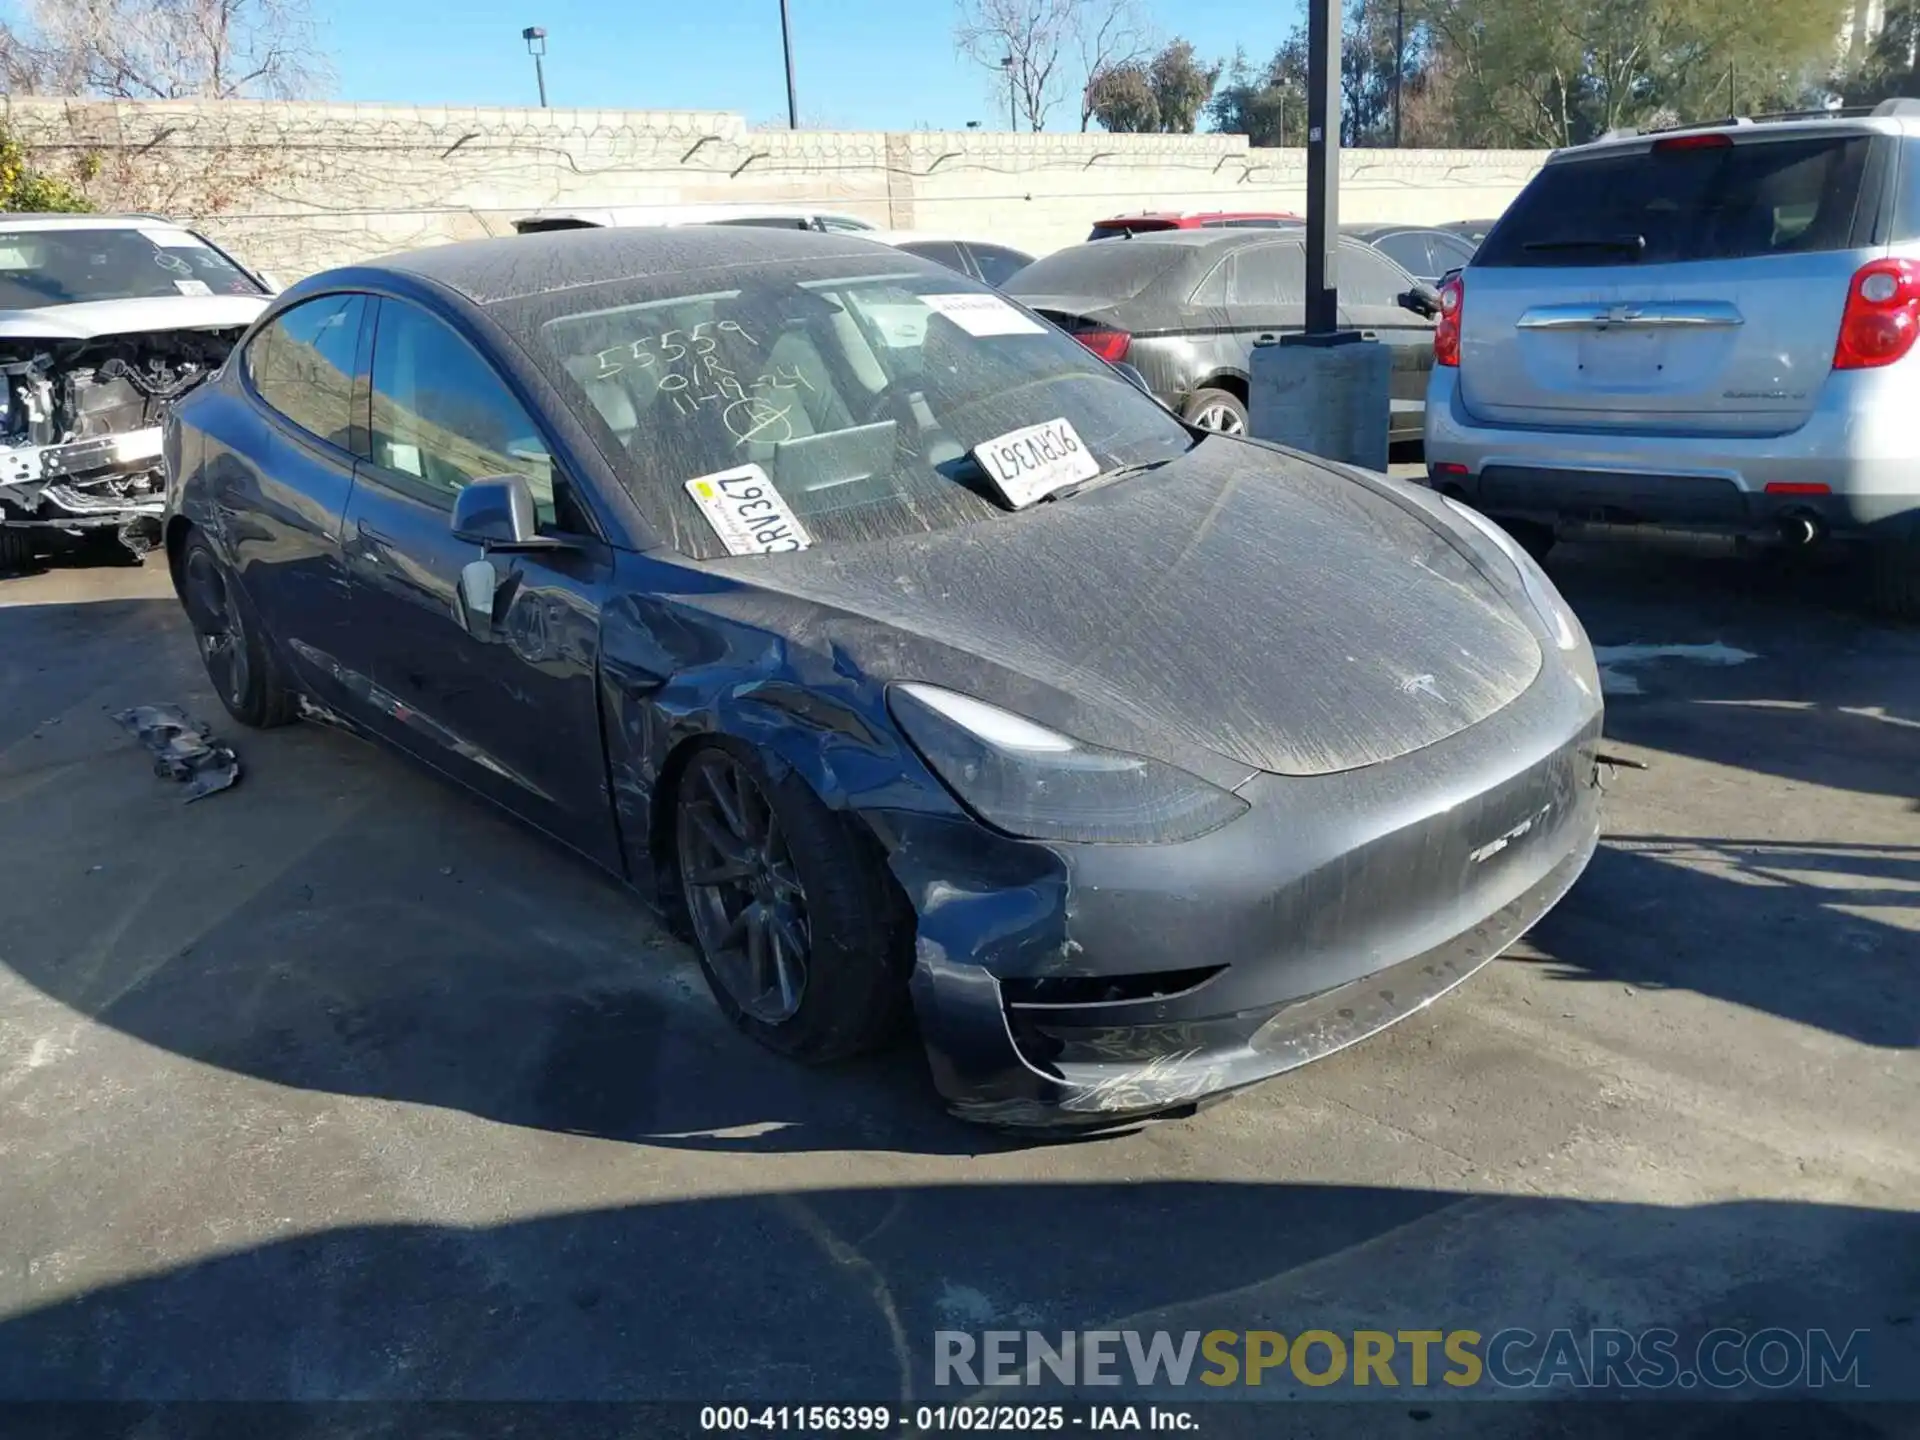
[104, 321]
[781, 217]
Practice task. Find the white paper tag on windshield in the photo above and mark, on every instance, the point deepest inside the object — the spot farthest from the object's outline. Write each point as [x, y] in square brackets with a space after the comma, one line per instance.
[746, 512]
[193, 287]
[1035, 461]
[174, 239]
[983, 315]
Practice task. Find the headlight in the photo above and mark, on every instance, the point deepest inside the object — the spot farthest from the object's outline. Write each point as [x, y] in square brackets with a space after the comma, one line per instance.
[1547, 601]
[1027, 780]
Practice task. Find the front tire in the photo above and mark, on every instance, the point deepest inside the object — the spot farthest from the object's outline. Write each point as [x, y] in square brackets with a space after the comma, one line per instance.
[1220, 410]
[241, 665]
[794, 920]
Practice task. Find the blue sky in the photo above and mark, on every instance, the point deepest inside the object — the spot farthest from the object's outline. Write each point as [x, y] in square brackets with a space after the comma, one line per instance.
[858, 64]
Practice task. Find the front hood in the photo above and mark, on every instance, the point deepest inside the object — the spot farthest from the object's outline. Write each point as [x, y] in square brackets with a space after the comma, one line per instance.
[1241, 600]
[95, 318]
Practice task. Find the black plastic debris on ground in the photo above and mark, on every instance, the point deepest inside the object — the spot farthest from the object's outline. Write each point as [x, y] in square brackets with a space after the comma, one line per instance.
[183, 749]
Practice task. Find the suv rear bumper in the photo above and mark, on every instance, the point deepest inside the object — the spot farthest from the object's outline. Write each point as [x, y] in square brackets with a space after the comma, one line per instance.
[1861, 443]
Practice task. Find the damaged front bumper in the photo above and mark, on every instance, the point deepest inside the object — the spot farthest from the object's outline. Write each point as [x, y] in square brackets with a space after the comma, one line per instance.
[1081, 987]
[107, 481]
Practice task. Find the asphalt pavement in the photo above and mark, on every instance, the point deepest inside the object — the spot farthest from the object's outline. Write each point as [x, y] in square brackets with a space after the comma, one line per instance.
[338, 1085]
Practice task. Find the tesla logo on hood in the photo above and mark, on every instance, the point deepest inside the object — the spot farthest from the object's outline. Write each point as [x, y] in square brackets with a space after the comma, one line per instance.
[1421, 685]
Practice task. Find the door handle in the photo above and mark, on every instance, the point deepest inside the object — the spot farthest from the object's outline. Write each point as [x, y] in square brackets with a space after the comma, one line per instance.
[1369, 334]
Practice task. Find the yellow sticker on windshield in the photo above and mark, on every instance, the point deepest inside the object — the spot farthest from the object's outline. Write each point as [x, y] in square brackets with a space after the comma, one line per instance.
[746, 512]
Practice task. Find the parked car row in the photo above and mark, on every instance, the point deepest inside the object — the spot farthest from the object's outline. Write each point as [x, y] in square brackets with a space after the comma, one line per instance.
[1186, 306]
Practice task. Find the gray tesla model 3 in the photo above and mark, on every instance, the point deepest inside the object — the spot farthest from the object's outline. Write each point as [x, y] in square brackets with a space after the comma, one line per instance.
[911, 659]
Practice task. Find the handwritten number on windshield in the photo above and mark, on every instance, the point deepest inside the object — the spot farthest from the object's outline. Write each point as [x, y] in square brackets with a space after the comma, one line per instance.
[701, 338]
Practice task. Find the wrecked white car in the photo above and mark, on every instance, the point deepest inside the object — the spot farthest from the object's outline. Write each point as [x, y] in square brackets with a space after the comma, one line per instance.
[104, 320]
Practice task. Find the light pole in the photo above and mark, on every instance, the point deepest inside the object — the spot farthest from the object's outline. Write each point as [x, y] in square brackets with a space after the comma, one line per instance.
[1323, 166]
[1399, 62]
[1013, 113]
[786, 45]
[536, 39]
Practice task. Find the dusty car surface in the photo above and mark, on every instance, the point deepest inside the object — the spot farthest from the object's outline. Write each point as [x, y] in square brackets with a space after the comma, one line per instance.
[901, 650]
[103, 322]
[1185, 308]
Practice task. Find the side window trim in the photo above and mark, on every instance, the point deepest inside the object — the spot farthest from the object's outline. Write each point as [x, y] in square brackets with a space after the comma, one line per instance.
[358, 444]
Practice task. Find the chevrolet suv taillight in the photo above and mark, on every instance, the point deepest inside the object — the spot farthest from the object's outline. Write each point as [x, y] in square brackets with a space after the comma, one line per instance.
[1109, 345]
[1882, 318]
[1446, 331]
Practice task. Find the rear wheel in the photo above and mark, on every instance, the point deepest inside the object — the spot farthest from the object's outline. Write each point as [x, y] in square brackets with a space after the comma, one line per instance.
[232, 647]
[793, 919]
[1895, 570]
[1211, 409]
[16, 549]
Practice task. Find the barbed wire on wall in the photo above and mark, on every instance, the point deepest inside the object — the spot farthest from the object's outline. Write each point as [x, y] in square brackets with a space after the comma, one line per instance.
[346, 182]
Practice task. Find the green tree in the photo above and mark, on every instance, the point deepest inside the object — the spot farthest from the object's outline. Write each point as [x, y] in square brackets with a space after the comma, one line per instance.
[23, 188]
[1545, 73]
[1121, 98]
[1182, 85]
[1269, 105]
[1887, 64]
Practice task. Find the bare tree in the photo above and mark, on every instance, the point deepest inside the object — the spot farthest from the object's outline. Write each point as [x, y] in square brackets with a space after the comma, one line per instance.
[166, 49]
[1033, 45]
[1112, 35]
[1026, 40]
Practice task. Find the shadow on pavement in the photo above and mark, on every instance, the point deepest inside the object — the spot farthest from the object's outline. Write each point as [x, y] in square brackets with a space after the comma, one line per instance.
[838, 1293]
[1805, 932]
[1832, 699]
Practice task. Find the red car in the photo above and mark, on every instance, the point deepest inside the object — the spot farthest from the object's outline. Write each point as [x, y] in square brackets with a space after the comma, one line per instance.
[1148, 220]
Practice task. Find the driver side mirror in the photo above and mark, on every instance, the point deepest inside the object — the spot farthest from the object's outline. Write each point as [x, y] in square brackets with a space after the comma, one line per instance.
[1132, 375]
[497, 514]
[1420, 300]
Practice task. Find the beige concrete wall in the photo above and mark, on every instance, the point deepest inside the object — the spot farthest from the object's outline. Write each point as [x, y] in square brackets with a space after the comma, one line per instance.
[298, 187]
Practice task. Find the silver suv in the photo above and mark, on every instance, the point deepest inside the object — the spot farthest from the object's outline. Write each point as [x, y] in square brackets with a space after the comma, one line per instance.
[1712, 328]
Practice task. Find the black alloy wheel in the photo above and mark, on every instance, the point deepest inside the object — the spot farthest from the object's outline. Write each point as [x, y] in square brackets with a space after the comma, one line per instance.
[218, 627]
[744, 895]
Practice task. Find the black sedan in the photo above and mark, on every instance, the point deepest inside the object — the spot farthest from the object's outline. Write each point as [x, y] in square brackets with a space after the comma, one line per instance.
[910, 659]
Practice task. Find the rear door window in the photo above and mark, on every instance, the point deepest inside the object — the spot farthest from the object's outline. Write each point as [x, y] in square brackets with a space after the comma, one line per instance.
[997, 263]
[1368, 279]
[1409, 249]
[1449, 252]
[301, 365]
[1699, 202]
[1265, 277]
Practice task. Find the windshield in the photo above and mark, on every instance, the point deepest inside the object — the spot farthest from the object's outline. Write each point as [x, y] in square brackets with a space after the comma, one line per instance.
[73, 266]
[859, 388]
